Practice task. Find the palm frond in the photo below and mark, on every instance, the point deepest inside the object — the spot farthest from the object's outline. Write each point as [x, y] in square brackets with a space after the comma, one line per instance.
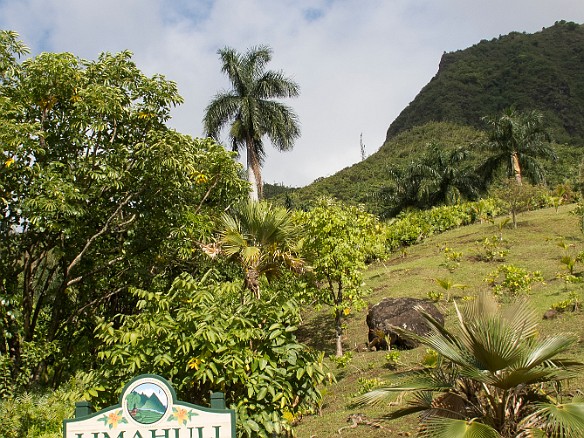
[561, 421]
[438, 427]
[548, 348]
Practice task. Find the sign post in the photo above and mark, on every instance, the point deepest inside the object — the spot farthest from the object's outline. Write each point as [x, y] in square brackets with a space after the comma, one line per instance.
[148, 408]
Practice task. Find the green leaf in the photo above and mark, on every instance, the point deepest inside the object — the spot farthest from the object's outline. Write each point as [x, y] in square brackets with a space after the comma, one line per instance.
[452, 428]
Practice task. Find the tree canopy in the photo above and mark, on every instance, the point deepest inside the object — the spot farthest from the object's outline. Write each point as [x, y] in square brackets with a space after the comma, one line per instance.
[97, 195]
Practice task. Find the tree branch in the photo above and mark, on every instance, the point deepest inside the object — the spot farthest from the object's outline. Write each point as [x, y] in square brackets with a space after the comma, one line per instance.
[92, 239]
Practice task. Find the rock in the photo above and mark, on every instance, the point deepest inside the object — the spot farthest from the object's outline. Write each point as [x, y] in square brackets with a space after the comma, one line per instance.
[550, 314]
[398, 312]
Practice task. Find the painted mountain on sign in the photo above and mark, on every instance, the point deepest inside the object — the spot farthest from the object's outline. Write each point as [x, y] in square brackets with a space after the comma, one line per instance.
[153, 403]
[145, 409]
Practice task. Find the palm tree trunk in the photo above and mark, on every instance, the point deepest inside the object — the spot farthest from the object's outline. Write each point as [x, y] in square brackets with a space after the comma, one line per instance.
[516, 167]
[253, 171]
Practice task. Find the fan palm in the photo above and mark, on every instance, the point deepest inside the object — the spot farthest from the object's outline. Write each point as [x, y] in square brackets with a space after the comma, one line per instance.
[250, 109]
[263, 239]
[516, 140]
[496, 377]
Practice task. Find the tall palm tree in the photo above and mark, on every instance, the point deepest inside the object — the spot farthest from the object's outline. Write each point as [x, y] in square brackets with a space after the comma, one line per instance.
[516, 140]
[263, 239]
[497, 377]
[250, 109]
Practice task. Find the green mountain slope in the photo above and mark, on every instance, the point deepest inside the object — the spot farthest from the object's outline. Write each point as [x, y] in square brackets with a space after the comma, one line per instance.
[361, 182]
[541, 71]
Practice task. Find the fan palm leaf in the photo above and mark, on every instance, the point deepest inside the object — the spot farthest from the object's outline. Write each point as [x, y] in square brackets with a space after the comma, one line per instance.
[263, 239]
[494, 374]
[557, 420]
[440, 427]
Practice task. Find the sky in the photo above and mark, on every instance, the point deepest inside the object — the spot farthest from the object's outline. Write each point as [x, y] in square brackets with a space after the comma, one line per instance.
[358, 63]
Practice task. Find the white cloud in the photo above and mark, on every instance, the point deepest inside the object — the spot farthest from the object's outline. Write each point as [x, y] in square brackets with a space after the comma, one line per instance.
[358, 63]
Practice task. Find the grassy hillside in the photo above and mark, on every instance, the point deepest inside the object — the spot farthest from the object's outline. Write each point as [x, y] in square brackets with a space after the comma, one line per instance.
[542, 238]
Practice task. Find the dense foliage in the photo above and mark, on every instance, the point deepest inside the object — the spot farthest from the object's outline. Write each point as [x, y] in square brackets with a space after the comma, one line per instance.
[412, 227]
[338, 240]
[362, 182]
[263, 240]
[97, 195]
[203, 338]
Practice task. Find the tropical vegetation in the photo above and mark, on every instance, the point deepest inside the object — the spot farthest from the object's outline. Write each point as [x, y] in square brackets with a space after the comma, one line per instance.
[516, 140]
[495, 377]
[130, 248]
[250, 109]
[263, 239]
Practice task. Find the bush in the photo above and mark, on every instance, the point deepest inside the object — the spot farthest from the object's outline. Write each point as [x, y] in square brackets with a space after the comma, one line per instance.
[412, 227]
[512, 280]
[199, 336]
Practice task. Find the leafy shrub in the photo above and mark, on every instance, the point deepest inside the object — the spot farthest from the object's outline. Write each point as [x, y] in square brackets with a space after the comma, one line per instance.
[452, 258]
[366, 385]
[436, 296]
[412, 227]
[40, 415]
[392, 359]
[512, 280]
[492, 249]
[571, 304]
[343, 361]
[202, 338]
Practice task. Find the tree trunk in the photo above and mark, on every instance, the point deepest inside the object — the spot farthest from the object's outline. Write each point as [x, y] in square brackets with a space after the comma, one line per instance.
[516, 167]
[339, 332]
[253, 171]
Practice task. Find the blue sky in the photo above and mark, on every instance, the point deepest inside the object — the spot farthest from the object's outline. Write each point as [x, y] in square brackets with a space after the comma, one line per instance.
[358, 62]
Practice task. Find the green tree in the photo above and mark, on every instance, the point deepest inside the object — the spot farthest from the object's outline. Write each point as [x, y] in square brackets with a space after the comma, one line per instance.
[263, 239]
[338, 241]
[437, 177]
[517, 198]
[404, 191]
[445, 177]
[199, 335]
[97, 195]
[496, 377]
[515, 141]
[250, 109]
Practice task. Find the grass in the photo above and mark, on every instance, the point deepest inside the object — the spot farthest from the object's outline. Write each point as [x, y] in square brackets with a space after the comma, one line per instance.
[537, 244]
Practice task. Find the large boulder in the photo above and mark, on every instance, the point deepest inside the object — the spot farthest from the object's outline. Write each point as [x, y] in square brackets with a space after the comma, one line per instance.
[398, 312]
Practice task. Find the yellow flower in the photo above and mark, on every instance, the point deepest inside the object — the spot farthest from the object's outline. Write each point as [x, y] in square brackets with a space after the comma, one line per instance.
[201, 178]
[9, 162]
[194, 363]
[113, 419]
[181, 415]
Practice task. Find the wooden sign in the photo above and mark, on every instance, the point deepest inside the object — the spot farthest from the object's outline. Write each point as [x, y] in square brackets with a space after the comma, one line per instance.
[148, 408]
